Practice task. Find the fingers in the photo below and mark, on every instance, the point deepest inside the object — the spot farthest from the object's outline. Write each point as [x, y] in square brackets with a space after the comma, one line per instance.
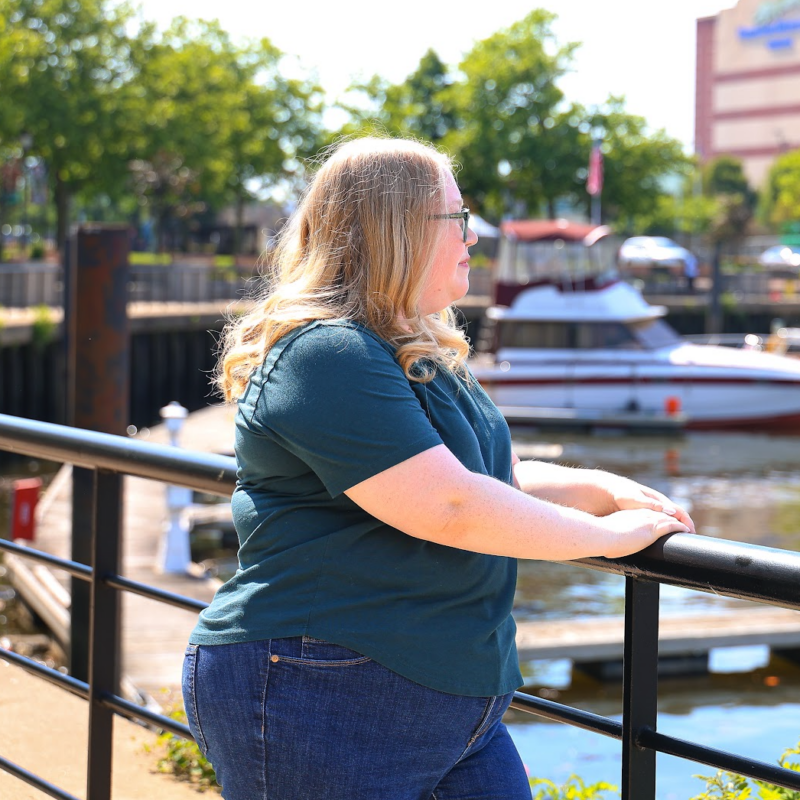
[650, 498]
[669, 524]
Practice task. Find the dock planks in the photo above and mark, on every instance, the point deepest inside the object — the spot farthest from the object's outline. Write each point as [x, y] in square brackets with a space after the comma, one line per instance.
[601, 638]
[154, 634]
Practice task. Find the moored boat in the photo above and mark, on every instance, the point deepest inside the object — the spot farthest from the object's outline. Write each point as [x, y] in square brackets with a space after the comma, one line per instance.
[570, 339]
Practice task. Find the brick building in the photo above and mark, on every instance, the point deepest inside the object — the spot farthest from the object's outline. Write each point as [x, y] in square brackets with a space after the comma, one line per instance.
[747, 102]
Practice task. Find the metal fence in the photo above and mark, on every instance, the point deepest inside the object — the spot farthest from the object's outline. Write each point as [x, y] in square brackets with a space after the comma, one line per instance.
[729, 568]
[36, 283]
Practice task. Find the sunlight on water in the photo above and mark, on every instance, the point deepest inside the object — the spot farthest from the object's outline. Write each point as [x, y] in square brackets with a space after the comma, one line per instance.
[744, 487]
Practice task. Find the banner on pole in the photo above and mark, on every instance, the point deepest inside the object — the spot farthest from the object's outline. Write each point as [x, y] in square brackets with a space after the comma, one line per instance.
[594, 181]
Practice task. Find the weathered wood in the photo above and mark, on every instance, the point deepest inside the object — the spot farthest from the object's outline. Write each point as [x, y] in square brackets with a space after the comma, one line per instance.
[600, 638]
[154, 634]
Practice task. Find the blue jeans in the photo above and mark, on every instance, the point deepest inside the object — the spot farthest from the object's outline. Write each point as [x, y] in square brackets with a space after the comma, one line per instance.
[303, 719]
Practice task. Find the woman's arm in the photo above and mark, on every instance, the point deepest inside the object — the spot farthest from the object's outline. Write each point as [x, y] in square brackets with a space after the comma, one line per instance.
[591, 490]
[433, 496]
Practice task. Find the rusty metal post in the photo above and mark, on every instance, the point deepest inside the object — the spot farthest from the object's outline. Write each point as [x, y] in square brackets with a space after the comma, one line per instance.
[96, 324]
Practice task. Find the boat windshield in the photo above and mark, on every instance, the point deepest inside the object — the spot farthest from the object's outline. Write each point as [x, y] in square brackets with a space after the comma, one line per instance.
[654, 333]
[642, 335]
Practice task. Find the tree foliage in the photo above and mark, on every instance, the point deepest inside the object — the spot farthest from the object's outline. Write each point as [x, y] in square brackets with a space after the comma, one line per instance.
[511, 134]
[203, 119]
[636, 163]
[220, 113]
[523, 147]
[64, 66]
[780, 199]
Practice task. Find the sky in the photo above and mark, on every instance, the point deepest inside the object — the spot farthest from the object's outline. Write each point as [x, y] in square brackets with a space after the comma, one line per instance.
[641, 49]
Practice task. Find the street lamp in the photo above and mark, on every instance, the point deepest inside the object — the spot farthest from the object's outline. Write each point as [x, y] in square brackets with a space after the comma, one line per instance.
[175, 552]
[26, 140]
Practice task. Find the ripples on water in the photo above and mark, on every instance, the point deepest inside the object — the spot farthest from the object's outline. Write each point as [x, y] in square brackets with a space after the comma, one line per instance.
[744, 487]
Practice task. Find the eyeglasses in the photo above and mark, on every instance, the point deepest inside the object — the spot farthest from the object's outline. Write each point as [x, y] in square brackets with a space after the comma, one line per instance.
[463, 215]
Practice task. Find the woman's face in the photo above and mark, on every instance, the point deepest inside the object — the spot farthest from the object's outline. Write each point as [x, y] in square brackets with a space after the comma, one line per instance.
[448, 280]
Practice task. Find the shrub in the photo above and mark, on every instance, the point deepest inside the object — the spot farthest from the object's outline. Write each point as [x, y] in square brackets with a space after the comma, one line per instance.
[183, 759]
[729, 786]
[573, 789]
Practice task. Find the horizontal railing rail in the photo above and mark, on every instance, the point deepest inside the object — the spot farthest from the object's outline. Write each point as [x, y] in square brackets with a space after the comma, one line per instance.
[39, 283]
[724, 567]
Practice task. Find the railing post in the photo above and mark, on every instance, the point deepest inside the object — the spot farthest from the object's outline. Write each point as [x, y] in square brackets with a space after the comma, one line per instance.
[640, 687]
[96, 325]
[104, 631]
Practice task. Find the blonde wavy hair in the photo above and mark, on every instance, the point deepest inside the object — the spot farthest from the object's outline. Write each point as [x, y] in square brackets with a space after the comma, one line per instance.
[360, 247]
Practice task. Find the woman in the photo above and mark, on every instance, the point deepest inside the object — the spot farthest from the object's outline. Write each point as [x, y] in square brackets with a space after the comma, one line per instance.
[364, 649]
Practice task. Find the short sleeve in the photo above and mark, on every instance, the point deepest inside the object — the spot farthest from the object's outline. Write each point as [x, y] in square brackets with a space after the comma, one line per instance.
[334, 396]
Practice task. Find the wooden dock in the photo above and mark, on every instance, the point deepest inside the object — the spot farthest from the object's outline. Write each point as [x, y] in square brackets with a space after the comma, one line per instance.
[154, 634]
[599, 640]
[587, 420]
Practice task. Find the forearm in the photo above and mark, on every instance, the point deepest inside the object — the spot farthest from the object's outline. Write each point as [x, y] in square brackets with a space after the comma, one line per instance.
[566, 486]
[490, 517]
[432, 496]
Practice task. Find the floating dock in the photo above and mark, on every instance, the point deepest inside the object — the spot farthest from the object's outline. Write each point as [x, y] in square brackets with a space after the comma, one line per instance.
[595, 644]
[587, 420]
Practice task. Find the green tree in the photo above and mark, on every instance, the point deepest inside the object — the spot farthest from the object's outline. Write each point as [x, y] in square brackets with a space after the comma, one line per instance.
[420, 106]
[63, 66]
[725, 175]
[509, 129]
[780, 199]
[217, 117]
[635, 163]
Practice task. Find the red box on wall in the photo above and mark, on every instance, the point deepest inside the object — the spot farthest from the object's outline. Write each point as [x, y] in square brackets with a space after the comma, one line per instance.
[24, 497]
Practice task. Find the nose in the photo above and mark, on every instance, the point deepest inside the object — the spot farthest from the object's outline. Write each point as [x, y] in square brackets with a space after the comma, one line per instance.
[472, 237]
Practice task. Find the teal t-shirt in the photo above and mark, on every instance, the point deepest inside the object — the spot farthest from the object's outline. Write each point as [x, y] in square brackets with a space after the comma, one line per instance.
[330, 407]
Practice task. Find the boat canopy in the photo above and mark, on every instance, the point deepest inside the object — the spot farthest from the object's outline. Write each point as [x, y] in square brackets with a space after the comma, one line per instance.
[616, 302]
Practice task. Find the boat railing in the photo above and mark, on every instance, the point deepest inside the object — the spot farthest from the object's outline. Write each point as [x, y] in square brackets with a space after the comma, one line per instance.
[558, 261]
[723, 567]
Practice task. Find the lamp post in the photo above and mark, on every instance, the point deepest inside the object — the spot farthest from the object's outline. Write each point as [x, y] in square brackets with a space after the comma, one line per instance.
[26, 140]
[175, 555]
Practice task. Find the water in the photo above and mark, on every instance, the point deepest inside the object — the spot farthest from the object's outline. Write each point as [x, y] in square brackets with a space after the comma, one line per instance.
[743, 487]
[737, 486]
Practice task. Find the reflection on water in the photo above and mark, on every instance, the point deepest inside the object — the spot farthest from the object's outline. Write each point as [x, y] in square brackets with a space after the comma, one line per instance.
[744, 487]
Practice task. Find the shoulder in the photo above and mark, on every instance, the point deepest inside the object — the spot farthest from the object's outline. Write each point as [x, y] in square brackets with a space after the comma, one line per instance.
[343, 338]
[320, 350]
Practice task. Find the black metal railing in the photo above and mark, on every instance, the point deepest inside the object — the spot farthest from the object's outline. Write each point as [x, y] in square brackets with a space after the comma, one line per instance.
[729, 568]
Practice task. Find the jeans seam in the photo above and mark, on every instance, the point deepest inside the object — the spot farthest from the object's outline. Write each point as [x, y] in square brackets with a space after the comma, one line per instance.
[311, 662]
[193, 695]
[264, 716]
[483, 722]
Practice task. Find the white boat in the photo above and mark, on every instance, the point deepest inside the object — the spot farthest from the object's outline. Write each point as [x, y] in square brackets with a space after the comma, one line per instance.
[593, 344]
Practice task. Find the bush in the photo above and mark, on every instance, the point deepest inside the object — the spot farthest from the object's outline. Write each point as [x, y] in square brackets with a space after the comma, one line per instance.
[573, 789]
[729, 786]
[183, 759]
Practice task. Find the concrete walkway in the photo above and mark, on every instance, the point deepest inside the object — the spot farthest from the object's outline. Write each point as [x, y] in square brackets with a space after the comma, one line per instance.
[44, 728]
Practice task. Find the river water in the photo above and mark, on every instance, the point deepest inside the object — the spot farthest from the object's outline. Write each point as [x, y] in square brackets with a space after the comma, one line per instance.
[737, 486]
[744, 487]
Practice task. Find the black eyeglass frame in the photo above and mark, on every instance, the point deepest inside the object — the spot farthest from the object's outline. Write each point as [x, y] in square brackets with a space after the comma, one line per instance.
[462, 215]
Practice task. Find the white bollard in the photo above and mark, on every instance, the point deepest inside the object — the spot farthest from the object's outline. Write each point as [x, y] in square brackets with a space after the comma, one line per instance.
[175, 553]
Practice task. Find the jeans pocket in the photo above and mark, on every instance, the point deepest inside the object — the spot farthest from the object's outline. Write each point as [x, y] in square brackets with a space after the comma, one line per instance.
[320, 653]
[190, 696]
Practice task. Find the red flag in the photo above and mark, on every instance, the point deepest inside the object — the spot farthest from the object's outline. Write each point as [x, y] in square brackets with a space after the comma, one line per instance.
[594, 181]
